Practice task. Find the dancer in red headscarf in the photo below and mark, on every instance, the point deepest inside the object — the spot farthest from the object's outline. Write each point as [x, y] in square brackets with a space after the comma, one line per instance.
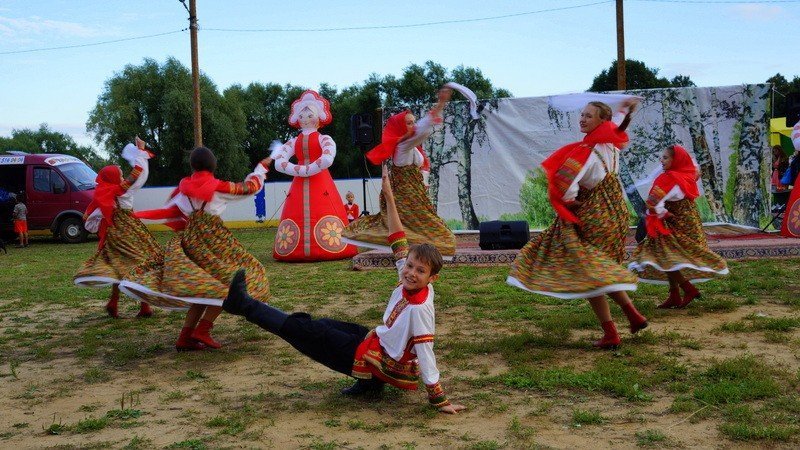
[580, 255]
[401, 140]
[313, 217]
[675, 250]
[124, 240]
[198, 262]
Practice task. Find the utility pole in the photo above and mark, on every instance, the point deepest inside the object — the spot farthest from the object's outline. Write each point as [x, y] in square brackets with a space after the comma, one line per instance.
[198, 124]
[621, 76]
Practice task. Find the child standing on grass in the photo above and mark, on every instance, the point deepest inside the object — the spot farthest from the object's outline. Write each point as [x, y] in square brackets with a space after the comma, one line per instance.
[20, 217]
[351, 207]
[398, 352]
[124, 240]
[675, 249]
[200, 260]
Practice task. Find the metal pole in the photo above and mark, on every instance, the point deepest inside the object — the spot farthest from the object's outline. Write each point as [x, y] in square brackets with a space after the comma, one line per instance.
[198, 125]
[621, 76]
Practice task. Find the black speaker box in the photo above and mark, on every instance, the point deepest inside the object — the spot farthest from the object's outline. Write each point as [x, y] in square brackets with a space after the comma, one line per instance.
[362, 129]
[503, 235]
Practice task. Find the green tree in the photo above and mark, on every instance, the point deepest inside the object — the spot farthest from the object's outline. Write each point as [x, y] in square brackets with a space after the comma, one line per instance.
[782, 87]
[45, 140]
[154, 101]
[266, 111]
[638, 76]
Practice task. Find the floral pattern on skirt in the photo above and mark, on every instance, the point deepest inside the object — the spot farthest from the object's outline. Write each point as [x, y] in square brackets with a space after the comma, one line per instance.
[419, 218]
[128, 243]
[196, 268]
[685, 249]
[577, 261]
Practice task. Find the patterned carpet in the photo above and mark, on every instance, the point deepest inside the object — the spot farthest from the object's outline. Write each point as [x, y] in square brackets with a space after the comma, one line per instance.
[731, 246]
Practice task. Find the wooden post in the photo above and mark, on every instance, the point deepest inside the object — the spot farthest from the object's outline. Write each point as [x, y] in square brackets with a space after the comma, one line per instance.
[198, 125]
[621, 76]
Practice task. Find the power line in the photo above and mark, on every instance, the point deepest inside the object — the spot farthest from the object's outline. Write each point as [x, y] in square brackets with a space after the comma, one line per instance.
[93, 43]
[413, 25]
[718, 2]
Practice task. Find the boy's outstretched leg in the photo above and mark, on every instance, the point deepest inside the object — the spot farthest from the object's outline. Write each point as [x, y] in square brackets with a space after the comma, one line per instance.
[240, 303]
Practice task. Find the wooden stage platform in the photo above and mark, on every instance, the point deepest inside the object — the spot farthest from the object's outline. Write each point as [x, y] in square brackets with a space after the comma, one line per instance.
[730, 242]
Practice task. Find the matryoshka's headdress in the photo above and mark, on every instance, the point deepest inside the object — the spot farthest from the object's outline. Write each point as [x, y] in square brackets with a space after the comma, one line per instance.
[315, 102]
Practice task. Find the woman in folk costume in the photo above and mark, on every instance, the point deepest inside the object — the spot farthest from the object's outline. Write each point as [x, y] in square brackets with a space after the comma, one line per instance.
[200, 260]
[675, 249]
[124, 240]
[580, 255]
[313, 217]
[401, 140]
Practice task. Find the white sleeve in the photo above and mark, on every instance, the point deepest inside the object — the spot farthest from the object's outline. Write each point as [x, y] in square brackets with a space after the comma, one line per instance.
[620, 114]
[143, 162]
[796, 136]
[674, 194]
[588, 173]
[403, 153]
[427, 363]
[282, 156]
[322, 163]
[423, 329]
[92, 223]
[400, 263]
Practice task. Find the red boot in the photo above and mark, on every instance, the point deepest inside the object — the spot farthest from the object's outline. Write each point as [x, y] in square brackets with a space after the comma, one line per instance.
[111, 307]
[186, 343]
[610, 339]
[636, 320]
[144, 310]
[673, 301]
[203, 334]
[689, 293]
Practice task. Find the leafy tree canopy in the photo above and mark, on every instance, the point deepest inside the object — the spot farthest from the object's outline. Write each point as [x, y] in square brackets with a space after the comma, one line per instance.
[782, 88]
[638, 76]
[154, 101]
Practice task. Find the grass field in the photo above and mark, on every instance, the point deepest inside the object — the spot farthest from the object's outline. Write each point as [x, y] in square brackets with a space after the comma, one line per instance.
[723, 373]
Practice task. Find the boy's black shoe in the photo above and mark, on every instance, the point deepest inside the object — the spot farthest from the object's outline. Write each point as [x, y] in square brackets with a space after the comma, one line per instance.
[237, 300]
[364, 387]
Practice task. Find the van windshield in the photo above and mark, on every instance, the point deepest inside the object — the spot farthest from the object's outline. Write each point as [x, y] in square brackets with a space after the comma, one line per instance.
[80, 175]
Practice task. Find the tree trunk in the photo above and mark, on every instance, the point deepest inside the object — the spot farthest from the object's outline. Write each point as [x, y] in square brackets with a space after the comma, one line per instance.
[748, 198]
[629, 185]
[465, 168]
[712, 185]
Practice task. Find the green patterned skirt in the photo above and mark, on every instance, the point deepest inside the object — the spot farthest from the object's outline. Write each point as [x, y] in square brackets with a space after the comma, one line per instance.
[196, 268]
[685, 249]
[570, 261]
[128, 243]
[419, 218]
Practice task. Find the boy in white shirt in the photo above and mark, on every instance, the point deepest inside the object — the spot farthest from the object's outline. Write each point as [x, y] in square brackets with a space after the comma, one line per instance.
[398, 352]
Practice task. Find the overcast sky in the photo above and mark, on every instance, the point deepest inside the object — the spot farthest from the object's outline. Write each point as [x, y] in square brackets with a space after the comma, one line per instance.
[542, 47]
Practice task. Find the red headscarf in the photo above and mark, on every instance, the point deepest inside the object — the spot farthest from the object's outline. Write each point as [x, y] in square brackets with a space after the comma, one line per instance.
[200, 185]
[109, 181]
[394, 132]
[605, 133]
[682, 173]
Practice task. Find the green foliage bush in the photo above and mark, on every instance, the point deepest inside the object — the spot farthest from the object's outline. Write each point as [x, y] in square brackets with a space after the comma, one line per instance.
[533, 200]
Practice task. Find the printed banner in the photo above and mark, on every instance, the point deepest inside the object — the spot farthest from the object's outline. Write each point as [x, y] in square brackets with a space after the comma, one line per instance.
[479, 167]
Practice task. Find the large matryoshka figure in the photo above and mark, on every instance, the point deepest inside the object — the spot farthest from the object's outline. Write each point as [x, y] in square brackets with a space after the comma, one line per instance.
[313, 217]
